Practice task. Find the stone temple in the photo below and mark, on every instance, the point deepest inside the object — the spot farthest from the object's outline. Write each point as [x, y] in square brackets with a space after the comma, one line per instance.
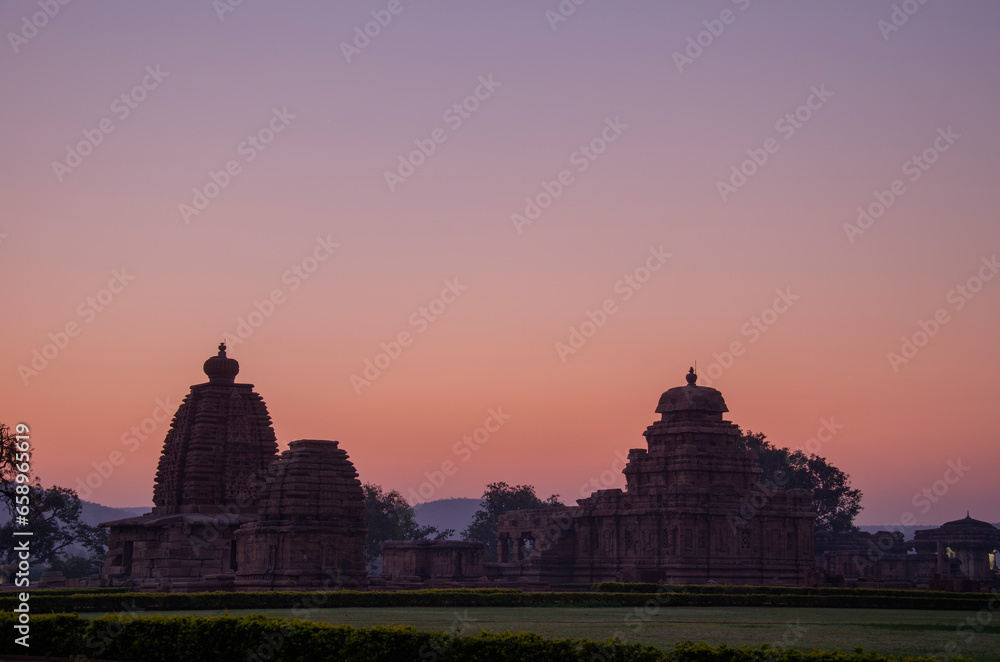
[687, 515]
[229, 513]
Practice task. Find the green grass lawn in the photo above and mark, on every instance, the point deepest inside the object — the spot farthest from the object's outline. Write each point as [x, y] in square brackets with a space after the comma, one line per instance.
[912, 632]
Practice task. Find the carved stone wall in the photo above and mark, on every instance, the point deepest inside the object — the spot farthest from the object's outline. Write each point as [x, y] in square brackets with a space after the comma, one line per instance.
[693, 512]
[428, 560]
[312, 528]
[229, 514]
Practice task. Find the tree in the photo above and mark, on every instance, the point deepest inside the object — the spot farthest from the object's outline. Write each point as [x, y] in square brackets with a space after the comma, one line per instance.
[389, 517]
[836, 503]
[53, 515]
[8, 468]
[73, 566]
[500, 498]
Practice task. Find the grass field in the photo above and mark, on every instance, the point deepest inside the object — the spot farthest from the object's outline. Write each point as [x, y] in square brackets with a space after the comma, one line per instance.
[912, 632]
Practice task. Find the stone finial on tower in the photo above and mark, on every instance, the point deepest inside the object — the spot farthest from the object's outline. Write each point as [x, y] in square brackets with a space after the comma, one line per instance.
[220, 368]
[692, 377]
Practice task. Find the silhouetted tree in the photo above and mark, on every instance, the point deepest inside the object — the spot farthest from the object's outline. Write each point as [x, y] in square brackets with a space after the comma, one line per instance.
[8, 468]
[835, 501]
[54, 519]
[389, 517]
[53, 515]
[498, 499]
[73, 566]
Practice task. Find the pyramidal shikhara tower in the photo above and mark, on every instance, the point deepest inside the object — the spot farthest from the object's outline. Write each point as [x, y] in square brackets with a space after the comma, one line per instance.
[219, 446]
[218, 471]
[693, 511]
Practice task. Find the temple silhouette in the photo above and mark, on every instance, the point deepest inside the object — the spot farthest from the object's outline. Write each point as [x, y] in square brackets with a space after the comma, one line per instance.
[231, 513]
[682, 518]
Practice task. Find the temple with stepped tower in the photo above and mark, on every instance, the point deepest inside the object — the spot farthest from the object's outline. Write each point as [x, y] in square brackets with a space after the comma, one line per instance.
[692, 513]
[229, 513]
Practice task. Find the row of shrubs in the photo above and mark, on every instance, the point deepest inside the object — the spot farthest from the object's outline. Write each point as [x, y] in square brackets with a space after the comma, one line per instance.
[735, 589]
[631, 587]
[118, 602]
[258, 638]
[74, 591]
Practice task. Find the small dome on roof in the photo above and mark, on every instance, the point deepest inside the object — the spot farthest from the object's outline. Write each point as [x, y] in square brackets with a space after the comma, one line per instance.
[221, 369]
[968, 523]
[691, 398]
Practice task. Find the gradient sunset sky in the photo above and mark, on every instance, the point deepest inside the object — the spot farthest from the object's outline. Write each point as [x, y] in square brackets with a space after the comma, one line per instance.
[101, 237]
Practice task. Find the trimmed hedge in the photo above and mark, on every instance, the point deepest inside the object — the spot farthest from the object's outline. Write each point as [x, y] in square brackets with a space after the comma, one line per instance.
[669, 596]
[257, 638]
[77, 591]
[737, 589]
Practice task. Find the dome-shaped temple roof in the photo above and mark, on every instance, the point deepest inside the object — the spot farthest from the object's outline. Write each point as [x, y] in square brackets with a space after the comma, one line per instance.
[691, 398]
[221, 369]
[315, 481]
[969, 524]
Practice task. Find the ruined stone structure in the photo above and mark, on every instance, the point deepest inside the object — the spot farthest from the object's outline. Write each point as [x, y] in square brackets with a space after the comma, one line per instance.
[689, 514]
[222, 499]
[960, 555]
[973, 544]
[879, 558]
[433, 561]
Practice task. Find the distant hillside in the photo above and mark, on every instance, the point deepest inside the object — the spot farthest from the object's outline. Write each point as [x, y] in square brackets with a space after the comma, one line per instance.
[95, 513]
[907, 530]
[447, 514]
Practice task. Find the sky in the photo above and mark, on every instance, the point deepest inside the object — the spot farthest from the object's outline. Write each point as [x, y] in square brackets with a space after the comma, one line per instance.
[515, 223]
